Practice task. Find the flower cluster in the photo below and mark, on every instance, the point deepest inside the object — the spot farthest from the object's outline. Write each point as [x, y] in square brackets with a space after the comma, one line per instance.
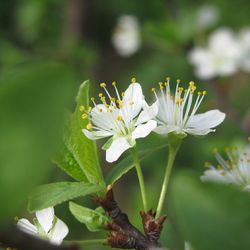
[128, 117]
[225, 54]
[46, 226]
[235, 170]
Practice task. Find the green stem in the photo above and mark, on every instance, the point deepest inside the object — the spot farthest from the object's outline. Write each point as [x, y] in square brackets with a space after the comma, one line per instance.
[88, 242]
[140, 177]
[174, 145]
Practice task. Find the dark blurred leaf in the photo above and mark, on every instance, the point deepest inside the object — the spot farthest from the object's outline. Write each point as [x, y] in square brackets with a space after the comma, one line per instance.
[94, 220]
[210, 216]
[33, 98]
[79, 151]
[52, 194]
[127, 164]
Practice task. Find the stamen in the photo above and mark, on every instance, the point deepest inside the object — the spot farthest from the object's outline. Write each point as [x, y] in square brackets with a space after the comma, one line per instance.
[84, 116]
[89, 126]
[82, 108]
[133, 80]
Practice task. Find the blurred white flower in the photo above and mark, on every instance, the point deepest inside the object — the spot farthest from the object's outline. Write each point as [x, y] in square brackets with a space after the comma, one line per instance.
[207, 16]
[244, 40]
[187, 246]
[234, 170]
[120, 118]
[126, 37]
[177, 112]
[220, 58]
[46, 225]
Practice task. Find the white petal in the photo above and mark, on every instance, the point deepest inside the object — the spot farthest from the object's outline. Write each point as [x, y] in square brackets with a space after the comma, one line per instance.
[95, 135]
[143, 130]
[132, 101]
[214, 175]
[59, 232]
[45, 218]
[148, 113]
[193, 131]
[26, 226]
[206, 121]
[117, 147]
[102, 119]
[165, 129]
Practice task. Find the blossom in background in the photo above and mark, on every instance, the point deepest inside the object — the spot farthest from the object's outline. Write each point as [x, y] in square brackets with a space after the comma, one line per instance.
[177, 111]
[126, 37]
[46, 225]
[221, 57]
[234, 170]
[120, 118]
[207, 16]
[244, 40]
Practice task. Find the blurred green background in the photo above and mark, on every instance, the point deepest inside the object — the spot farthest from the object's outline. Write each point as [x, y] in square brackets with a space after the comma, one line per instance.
[47, 48]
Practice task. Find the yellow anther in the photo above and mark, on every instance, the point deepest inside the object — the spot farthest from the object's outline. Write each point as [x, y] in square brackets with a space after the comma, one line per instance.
[204, 92]
[84, 116]
[168, 78]
[178, 81]
[110, 110]
[114, 83]
[89, 109]
[161, 85]
[112, 99]
[92, 99]
[153, 89]
[133, 80]
[191, 84]
[123, 94]
[100, 95]
[199, 93]
[82, 108]
[119, 118]
[89, 126]
[103, 85]
[215, 151]
[100, 110]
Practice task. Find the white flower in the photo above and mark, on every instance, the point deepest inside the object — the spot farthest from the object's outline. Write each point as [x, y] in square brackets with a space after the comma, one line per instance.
[177, 112]
[126, 37]
[120, 118]
[234, 170]
[187, 246]
[46, 225]
[207, 16]
[220, 58]
[244, 40]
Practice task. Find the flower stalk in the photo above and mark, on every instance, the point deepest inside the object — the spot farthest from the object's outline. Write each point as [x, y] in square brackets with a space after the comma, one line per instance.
[140, 177]
[174, 145]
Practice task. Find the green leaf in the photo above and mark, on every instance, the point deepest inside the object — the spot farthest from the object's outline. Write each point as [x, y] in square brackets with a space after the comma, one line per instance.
[95, 220]
[127, 164]
[210, 216]
[49, 195]
[79, 151]
[66, 161]
[33, 99]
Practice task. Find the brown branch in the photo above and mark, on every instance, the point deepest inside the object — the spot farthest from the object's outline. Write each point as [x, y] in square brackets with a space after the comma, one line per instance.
[12, 237]
[122, 233]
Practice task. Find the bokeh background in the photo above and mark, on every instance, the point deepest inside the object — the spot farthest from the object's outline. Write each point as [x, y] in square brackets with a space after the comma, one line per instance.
[48, 48]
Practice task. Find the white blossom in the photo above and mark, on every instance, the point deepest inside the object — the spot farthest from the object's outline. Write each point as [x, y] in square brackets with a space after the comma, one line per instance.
[46, 226]
[120, 118]
[234, 170]
[126, 37]
[220, 57]
[207, 16]
[177, 111]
